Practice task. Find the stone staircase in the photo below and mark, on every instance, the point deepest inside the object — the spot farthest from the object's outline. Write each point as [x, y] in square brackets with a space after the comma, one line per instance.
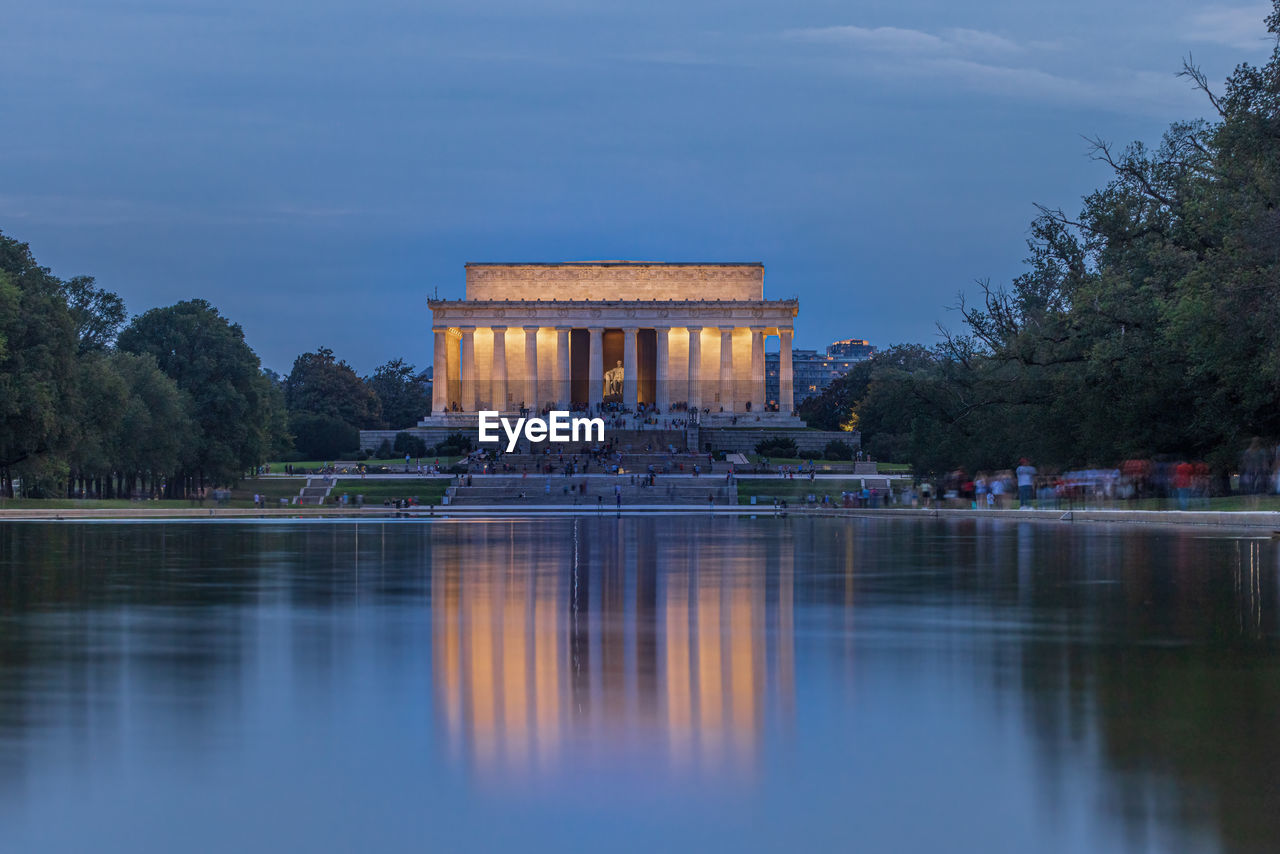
[634, 440]
[315, 492]
[600, 490]
[662, 463]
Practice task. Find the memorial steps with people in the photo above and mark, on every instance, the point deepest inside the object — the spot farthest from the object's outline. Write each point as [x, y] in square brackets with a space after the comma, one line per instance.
[592, 491]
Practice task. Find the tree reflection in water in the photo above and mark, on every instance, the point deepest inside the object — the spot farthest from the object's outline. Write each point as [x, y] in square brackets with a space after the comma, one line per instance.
[1137, 669]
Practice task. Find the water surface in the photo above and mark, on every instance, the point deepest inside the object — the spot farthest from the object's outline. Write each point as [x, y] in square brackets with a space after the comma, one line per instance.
[637, 684]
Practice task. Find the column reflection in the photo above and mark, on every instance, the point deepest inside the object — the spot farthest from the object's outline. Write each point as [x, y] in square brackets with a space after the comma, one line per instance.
[604, 638]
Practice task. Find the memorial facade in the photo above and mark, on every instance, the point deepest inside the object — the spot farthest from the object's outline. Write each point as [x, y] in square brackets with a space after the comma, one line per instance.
[663, 338]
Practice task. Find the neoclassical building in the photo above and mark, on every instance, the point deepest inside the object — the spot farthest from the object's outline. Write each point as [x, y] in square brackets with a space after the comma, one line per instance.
[581, 335]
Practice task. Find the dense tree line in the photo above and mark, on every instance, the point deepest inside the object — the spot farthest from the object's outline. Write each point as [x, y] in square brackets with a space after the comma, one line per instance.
[328, 403]
[174, 400]
[1148, 324]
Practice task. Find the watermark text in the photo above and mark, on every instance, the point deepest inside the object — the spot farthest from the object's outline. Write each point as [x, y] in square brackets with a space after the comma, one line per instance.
[561, 426]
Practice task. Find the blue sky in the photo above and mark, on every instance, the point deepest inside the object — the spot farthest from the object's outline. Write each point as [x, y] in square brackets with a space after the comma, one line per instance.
[317, 169]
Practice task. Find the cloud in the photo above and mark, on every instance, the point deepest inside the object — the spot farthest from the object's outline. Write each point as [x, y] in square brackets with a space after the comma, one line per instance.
[888, 39]
[1241, 27]
[909, 41]
[985, 62]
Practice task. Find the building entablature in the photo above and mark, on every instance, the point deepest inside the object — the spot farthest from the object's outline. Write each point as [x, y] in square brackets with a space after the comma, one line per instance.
[615, 314]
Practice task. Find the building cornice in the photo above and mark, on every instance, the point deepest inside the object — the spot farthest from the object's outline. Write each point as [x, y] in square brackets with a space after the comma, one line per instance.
[611, 312]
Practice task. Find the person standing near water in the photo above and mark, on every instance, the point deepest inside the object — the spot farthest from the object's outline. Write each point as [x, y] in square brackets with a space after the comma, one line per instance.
[1026, 483]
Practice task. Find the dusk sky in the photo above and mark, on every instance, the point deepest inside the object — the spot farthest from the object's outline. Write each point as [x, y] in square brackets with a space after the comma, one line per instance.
[317, 169]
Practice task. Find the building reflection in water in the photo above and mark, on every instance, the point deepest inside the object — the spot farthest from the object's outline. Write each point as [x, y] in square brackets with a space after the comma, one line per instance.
[627, 639]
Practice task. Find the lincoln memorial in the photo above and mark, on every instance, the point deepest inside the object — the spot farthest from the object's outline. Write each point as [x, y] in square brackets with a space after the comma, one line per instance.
[666, 338]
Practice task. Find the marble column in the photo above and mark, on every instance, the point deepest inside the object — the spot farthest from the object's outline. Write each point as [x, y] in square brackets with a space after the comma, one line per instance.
[726, 369]
[695, 367]
[467, 369]
[662, 363]
[531, 369]
[440, 372]
[498, 373]
[595, 394]
[757, 369]
[562, 367]
[630, 368]
[786, 391]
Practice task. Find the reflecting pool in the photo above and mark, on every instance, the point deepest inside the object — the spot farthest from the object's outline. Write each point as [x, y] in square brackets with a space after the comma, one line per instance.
[638, 684]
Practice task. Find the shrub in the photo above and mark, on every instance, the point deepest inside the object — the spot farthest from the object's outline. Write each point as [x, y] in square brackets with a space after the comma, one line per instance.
[407, 443]
[778, 447]
[837, 450]
[323, 437]
[384, 451]
[455, 445]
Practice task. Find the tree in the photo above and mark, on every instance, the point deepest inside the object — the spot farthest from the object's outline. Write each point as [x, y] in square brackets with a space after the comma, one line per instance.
[207, 357]
[323, 437]
[37, 362]
[778, 447]
[837, 450]
[401, 392]
[407, 443]
[154, 424]
[321, 384]
[98, 314]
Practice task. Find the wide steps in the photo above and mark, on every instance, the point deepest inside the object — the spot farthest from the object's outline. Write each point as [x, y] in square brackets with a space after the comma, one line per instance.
[534, 464]
[508, 490]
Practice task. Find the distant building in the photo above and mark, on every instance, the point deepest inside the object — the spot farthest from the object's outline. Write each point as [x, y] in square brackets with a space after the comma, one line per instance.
[814, 371]
[854, 349]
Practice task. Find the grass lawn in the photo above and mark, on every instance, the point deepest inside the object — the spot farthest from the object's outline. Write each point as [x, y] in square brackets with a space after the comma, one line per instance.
[426, 490]
[90, 504]
[274, 488]
[793, 491]
[241, 496]
[395, 463]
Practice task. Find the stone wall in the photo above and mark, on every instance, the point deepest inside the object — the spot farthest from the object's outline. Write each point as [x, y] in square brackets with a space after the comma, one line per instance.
[615, 281]
[744, 440]
[371, 439]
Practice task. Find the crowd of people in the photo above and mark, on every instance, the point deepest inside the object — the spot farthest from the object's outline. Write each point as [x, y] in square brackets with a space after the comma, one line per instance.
[1170, 483]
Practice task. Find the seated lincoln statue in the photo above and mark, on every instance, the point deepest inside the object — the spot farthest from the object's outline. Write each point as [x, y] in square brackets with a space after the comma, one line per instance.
[613, 382]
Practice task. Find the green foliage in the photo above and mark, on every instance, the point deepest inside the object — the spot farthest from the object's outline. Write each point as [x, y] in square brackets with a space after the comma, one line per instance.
[401, 393]
[98, 314]
[456, 444]
[276, 417]
[777, 447]
[155, 420]
[407, 443]
[837, 450]
[37, 361]
[384, 450]
[230, 400]
[320, 436]
[322, 384]
[43, 476]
